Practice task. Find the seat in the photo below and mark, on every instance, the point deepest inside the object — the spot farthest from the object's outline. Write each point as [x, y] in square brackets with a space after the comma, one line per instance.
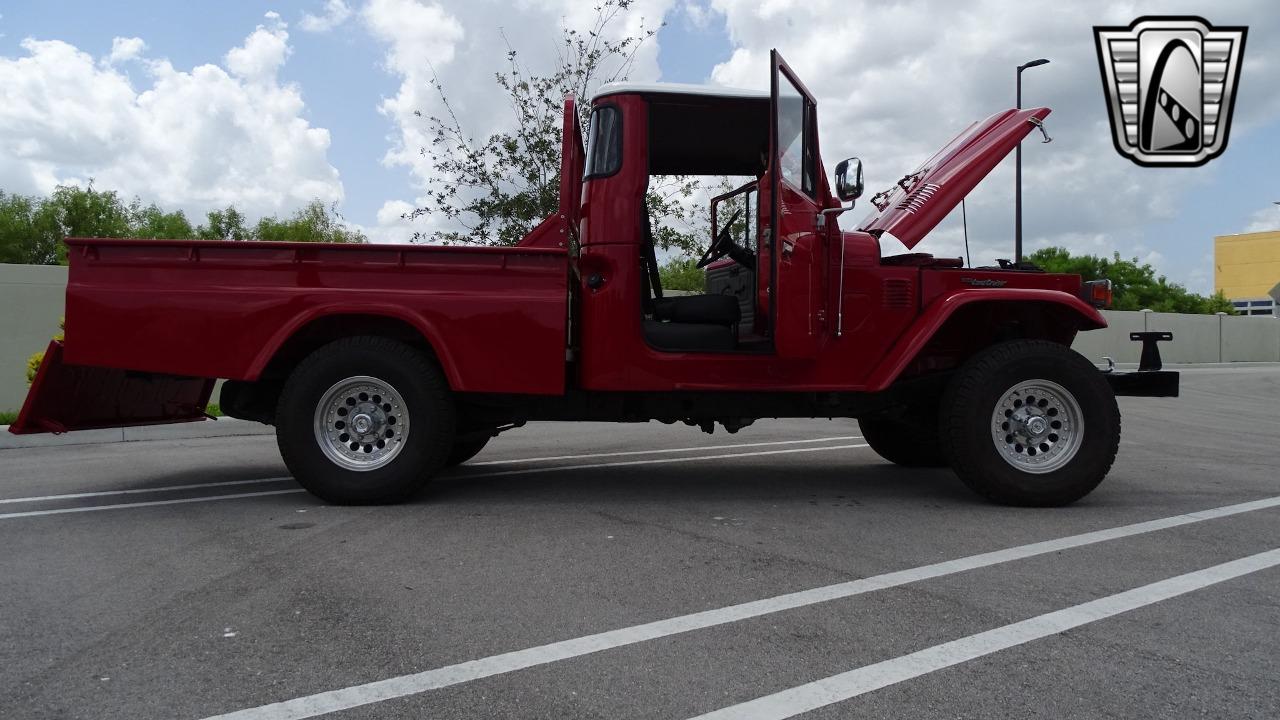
[696, 309]
[689, 337]
[684, 323]
[708, 309]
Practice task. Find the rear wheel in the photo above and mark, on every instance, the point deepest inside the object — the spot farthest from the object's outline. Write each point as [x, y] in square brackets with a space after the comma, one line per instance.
[365, 420]
[1030, 422]
[909, 439]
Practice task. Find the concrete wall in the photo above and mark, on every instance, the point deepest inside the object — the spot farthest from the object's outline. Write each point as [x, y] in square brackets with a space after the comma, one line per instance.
[1196, 338]
[31, 303]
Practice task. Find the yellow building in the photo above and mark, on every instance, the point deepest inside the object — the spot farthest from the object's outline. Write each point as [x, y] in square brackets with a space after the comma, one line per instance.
[1247, 266]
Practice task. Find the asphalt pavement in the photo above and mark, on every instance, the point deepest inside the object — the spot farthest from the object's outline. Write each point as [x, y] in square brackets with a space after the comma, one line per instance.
[651, 571]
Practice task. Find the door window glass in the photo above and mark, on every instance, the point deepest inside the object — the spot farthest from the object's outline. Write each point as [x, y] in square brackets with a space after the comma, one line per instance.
[795, 154]
[604, 144]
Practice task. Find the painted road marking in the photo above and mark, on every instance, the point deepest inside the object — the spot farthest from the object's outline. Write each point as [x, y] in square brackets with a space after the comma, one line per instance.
[527, 471]
[396, 687]
[69, 496]
[150, 503]
[659, 461]
[844, 686]
[656, 452]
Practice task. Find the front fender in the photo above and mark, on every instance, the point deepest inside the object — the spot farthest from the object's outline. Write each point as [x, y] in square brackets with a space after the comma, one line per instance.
[935, 317]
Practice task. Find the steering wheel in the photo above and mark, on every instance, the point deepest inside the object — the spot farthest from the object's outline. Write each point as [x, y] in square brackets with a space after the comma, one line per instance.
[722, 244]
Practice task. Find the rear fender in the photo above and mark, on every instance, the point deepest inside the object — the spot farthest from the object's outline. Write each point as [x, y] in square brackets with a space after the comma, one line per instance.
[1064, 316]
[317, 314]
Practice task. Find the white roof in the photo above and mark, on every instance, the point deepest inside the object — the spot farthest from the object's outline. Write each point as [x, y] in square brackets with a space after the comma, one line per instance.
[615, 88]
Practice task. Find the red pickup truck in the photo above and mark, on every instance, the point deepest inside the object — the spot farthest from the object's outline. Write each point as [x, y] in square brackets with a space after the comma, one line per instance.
[382, 365]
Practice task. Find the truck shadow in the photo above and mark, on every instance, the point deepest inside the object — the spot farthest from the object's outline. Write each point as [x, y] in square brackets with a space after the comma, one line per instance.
[851, 485]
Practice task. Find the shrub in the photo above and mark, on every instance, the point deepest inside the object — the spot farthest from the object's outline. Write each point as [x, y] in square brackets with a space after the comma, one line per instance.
[33, 362]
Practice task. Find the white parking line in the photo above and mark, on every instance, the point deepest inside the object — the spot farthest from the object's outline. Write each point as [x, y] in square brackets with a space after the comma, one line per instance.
[659, 461]
[664, 450]
[526, 471]
[167, 488]
[844, 686]
[357, 695]
[150, 503]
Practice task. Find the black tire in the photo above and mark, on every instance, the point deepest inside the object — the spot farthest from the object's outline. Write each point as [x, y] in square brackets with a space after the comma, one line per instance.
[428, 414]
[466, 448]
[909, 439]
[969, 428]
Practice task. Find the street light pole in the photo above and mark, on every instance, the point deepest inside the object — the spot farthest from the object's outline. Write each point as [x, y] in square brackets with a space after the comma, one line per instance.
[1017, 164]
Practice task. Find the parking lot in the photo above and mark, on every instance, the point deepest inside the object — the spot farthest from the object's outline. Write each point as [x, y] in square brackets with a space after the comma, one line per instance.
[614, 571]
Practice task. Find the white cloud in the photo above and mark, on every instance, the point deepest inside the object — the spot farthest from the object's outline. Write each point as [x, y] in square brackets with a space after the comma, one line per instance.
[393, 211]
[335, 13]
[123, 49]
[424, 39]
[191, 139]
[697, 14]
[1268, 218]
[262, 53]
[895, 81]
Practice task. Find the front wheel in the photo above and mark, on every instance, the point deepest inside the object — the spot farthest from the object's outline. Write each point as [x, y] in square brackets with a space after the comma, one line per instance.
[365, 420]
[909, 439]
[1030, 423]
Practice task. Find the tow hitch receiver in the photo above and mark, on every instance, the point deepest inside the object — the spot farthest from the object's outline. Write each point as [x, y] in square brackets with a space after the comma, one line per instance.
[1149, 380]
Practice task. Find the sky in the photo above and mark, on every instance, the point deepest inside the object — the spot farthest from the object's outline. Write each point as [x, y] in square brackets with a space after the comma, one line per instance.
[268, 105]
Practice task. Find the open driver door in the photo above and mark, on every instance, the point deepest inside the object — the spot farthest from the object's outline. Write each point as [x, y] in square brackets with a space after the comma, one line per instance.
[797, 240]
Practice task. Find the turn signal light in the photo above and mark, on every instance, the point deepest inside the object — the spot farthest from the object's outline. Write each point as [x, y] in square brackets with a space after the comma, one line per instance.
[1097, 293]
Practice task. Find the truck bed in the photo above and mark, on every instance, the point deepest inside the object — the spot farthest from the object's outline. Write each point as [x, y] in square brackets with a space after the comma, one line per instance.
[223, 309]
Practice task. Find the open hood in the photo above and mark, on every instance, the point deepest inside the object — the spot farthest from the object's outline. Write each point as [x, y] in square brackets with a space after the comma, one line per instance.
[922, 198]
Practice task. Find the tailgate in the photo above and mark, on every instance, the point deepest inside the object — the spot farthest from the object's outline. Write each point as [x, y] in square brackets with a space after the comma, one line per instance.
[79, 397]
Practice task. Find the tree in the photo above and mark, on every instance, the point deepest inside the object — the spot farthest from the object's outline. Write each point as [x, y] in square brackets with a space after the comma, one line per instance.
[1135, 284]
[32, 228]
[498, 189]
[85, 212]
[226, 224]
[152, 222]
[29, 233]
[313, 223]
[682, 273]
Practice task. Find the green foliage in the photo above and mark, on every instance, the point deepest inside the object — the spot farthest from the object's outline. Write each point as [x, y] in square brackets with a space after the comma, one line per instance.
[33, 366]
[226, 224]
[33, 362]
[1135, 285]
[499, 188]
[154, 223]
[7, 417]
[32, 229]
[29, 232]
[313, 223]
[683, 273]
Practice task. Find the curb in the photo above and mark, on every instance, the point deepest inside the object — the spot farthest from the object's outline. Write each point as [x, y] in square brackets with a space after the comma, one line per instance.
[222, 427]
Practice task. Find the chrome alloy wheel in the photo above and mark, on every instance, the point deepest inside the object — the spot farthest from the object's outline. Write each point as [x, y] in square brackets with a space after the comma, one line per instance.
[361, 423]
[1037, 426]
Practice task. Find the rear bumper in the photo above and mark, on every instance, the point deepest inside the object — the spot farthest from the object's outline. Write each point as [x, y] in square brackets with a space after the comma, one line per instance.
[1144, 383]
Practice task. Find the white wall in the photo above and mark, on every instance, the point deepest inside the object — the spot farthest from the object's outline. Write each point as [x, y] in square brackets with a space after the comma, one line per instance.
[31, 303]
[1196, 338]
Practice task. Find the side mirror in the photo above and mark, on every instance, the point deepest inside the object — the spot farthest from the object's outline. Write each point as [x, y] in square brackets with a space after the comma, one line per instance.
[849, 179]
